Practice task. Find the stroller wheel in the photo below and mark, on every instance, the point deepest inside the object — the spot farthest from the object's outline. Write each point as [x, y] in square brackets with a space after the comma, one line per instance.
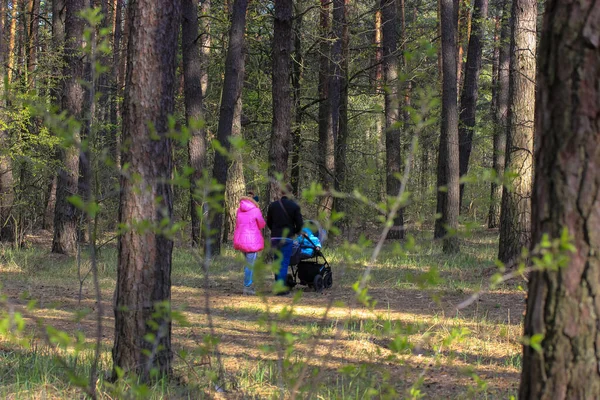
[318, 283]
[327, 280]
[290, 281]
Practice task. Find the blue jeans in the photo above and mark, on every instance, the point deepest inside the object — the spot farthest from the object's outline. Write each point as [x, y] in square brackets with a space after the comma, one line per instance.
[250, 259]
[285, 246]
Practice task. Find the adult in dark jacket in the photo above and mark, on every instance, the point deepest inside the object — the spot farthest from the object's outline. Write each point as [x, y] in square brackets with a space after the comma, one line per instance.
[284, 220]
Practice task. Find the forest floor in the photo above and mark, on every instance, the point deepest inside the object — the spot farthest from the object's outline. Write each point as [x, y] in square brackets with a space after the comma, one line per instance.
[414, 343]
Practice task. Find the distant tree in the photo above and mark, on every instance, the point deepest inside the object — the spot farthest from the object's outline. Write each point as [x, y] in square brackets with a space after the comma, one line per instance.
[282, 100]
[500, 113]
[6, 176]
[470, 91]
[33, 10]
[515, 221]
[340, 29]
[116, 81]
[326, 154]
[232, 89]
[144, 253]
[448, 163]
[194, 110]
[562, 305]
[65, 214]
[391, 85]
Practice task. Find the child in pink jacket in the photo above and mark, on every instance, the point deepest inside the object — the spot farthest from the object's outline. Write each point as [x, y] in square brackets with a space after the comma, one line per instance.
[248, 238]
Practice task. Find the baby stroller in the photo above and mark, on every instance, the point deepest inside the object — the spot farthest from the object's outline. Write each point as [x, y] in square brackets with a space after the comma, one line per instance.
[308, 264]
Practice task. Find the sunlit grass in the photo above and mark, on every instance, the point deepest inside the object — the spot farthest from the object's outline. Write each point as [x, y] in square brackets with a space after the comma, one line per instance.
[416, 290]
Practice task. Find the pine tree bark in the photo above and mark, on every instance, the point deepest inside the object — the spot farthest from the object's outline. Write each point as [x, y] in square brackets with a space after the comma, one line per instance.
[65, 214]
[515, 221]
[282, 100]
[6, 176]
[562, 305]
[470, 90]
[232, 89]
[13, 39]
[297, 74]
[326, 139]
[236, 184]
[501, 114]
[33, 10]
[144, 254]
[194, 111]
[342, 133]
[205, 41]
[116, 83]
[448, 165]
[391, 57]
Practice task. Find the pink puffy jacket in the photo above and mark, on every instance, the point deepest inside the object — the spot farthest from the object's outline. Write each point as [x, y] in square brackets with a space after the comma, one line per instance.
[249, 221]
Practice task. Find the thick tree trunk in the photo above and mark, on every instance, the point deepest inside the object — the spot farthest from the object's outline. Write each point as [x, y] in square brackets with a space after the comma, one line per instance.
[389, 18]
[194, 112]
[232, 89]
[297, 73]
[236, 184]
[143, 291]
[470, 91]
[448, 166]
[500, 114]
[326, 157]
[65, 214]
[515, 221]
[562, 304]
[282, 100]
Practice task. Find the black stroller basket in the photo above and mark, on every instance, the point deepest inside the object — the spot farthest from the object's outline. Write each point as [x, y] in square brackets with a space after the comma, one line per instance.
[312, 271]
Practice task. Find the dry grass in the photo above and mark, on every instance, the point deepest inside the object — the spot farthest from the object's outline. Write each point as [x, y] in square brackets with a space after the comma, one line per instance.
[482, 361]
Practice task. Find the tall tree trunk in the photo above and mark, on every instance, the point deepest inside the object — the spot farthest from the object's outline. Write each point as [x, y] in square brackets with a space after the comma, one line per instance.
[500, 114]
[407, 84]
[194, 112]
[13, 38]
[470, 91]
[515, 221]
[6, 176]
[116, 82]
[65, 214]
[282, 101]
[562, 303]
[326, 139]
[297, 73]
[50, 202]
[342, 134]
[389, 14]
[205, 41]
[448, 166]
[232, 89]
[380, 116]
[463, 16]
[236, 184]
[34, 23]
[143, 289]
[58, 42]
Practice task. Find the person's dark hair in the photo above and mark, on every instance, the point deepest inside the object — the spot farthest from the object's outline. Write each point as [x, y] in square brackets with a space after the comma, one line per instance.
[251, 194]
[286, 190]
